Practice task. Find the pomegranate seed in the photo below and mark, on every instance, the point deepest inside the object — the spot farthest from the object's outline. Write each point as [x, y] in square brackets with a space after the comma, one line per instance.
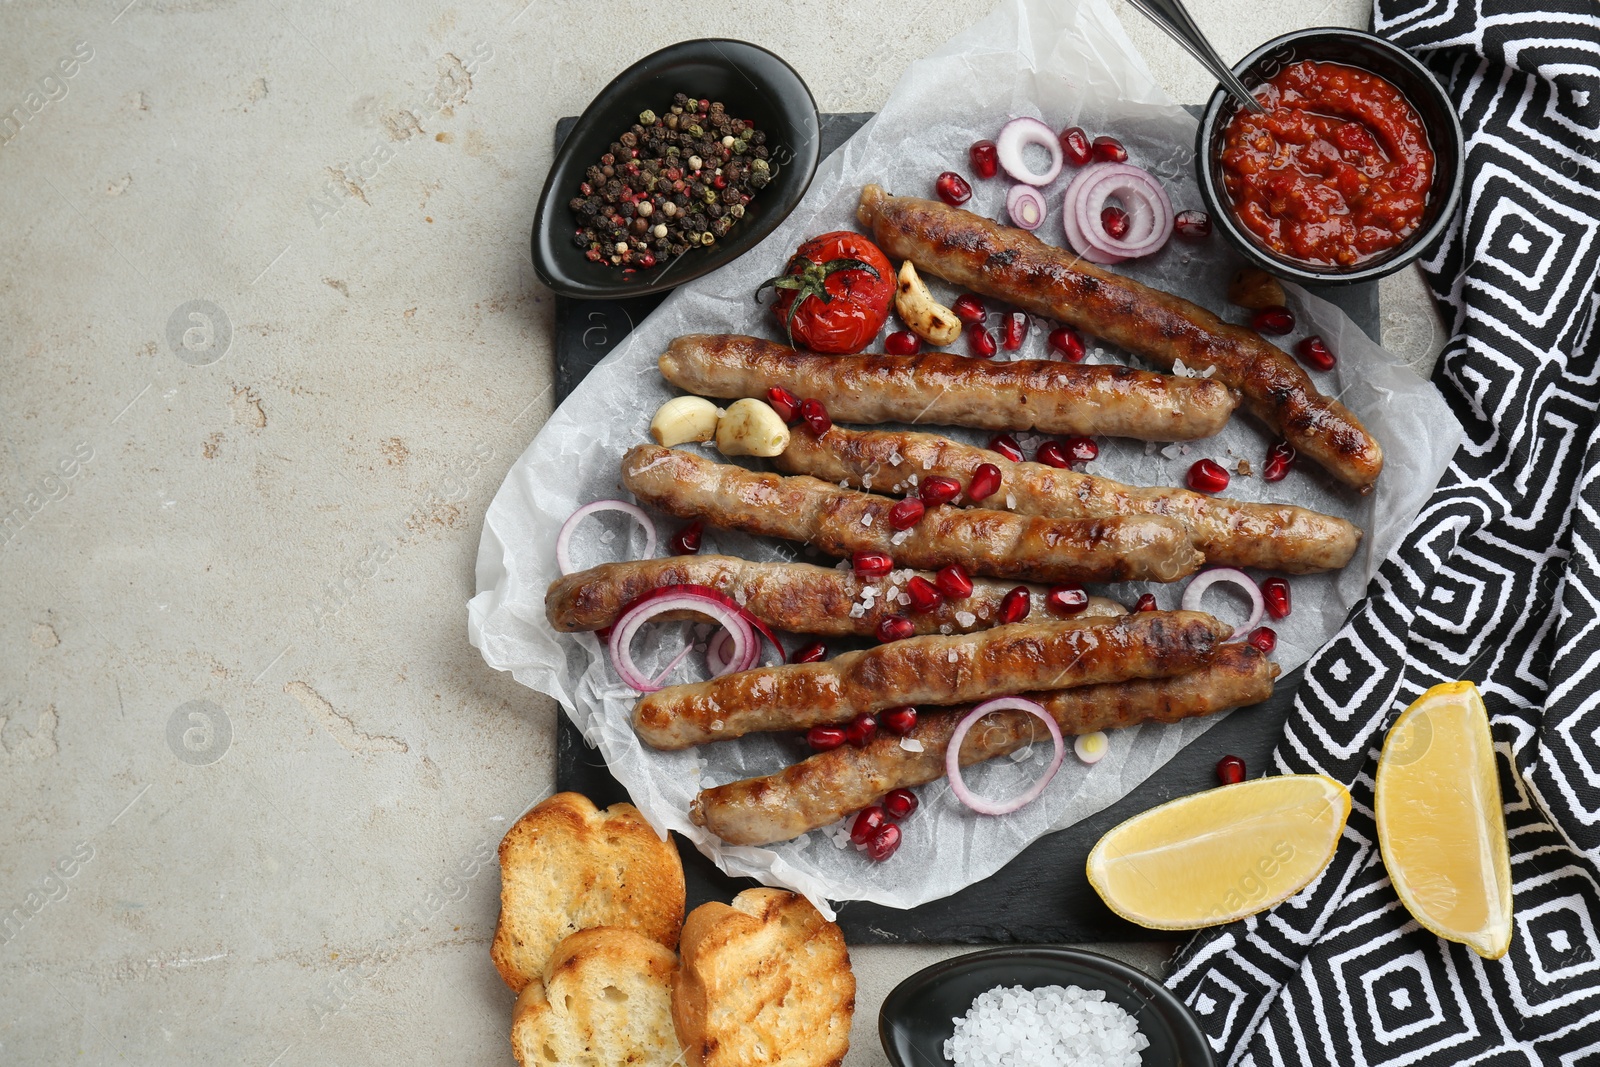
[860, 730]
[1069, 343]
[1066, 599]
[985, 158]
[902, 343]
[871, 564]
[785, 403]
[1081, 449]
[899, 803]
[823, 738]
[899, 721]
[1146, 602]
[815, 652]
[969, 309]
[985, 482]
[1230, 770]
[816, 416]
[1050, 453]
[686, 542]
[1016, 330]
[939, 490]
[1007, 447]
[1192, 225]
[925, 596]
[895, 628]
[1114, 221]
[1275, 591]
[1313, 352]
[1280, 458]
[906, 514]
[867, 823]
[954, 581]
[1075, 146]
[1264, 638]
[1207, 476]
[1276, 320]
[1109, 150]
[952, 188]
[980, 342]
[1014, 605]
[883, 844]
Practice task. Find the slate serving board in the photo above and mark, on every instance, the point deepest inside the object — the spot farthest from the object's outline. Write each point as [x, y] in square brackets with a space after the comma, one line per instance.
[1042, 895]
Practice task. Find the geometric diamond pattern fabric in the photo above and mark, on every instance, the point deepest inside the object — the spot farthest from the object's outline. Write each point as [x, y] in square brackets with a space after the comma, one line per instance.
[1498, 581]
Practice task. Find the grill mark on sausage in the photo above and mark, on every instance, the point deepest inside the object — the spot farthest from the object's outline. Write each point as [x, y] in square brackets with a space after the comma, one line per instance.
[929, 671]
[825, 787]
[963, 248]
[1231, 532]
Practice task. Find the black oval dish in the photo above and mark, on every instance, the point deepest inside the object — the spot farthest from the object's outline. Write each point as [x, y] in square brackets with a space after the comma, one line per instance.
[916, 1018]
[754, 84]
[1370, 53]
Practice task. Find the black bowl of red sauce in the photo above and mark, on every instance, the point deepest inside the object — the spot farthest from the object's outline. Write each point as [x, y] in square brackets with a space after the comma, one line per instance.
[1353, 171]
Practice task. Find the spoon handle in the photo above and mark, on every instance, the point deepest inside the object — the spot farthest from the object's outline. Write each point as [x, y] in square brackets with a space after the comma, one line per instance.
[1174, 18]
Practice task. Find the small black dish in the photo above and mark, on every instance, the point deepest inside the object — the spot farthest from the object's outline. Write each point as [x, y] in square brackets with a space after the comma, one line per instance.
[916, 1018]
[754, 84]
[1377, 56]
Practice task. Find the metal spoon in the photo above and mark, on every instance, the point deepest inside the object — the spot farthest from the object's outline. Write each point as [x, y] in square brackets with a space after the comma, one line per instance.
[1173, 17]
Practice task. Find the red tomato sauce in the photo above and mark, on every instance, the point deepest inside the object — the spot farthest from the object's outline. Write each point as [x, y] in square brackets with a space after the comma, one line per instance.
[1335, 172]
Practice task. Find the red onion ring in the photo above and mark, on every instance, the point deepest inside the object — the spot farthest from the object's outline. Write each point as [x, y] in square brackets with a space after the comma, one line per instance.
[1149, 208]
[1026, 207]
[564, 538]
[1080, 243]
[1017, 135]
[1198, 585]
[719, 657]
[720, 608]
[952, 756]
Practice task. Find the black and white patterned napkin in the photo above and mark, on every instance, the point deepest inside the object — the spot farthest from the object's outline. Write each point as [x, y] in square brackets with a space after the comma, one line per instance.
[1498, 581]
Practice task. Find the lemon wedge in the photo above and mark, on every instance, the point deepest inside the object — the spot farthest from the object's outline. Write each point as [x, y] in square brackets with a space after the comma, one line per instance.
[1217, 856]
[1440, 824]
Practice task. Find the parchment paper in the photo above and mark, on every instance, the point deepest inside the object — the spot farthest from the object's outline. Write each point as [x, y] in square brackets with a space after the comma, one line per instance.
[1069, 63]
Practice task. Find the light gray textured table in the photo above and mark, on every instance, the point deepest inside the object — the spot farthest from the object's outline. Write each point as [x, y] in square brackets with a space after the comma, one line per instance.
[270, 339]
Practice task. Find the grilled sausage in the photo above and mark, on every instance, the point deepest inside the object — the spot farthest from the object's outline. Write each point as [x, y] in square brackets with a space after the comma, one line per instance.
[929, 670]
[1277, 537]
[801, 598]
[830, 785]
[841, 521]
[941, 388]
[1014, 266]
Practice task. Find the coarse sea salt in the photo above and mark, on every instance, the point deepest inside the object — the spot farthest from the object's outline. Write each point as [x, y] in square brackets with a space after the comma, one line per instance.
[1053, 1026]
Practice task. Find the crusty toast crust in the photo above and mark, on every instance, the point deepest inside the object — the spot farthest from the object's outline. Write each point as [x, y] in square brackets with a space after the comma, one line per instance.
[566, 866]
[766, 981]
[603, 1000]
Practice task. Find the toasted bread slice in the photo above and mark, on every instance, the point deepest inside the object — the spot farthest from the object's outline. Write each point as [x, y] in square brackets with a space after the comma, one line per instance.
[766, 981]
[605, 999]
[566, 866]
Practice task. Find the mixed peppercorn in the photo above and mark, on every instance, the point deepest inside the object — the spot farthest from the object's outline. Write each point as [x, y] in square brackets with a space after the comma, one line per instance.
[669, 183]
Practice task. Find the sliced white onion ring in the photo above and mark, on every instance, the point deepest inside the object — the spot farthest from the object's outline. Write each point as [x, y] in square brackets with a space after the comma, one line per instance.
[746, 647]
[952, 756]
[1198, 585]
[1080, 243]
[1017, 135]
[719, 655]
[1148, 206]
[564, 538]
[1026, 207]
[1091, 748]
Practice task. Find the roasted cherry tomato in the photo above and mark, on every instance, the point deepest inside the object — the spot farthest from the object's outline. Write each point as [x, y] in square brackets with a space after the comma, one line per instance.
[834, 294]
